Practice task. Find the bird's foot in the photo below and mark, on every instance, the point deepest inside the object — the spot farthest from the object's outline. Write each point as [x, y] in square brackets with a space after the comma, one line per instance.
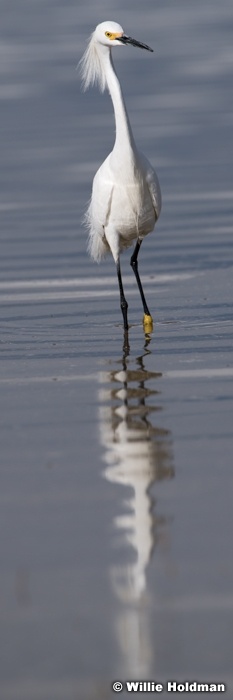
[148, 323]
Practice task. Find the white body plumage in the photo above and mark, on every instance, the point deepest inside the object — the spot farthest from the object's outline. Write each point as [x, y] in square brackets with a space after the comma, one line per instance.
[129, 204]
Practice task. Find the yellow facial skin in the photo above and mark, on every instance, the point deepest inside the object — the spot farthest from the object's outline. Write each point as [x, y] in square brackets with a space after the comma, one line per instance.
[113, 35]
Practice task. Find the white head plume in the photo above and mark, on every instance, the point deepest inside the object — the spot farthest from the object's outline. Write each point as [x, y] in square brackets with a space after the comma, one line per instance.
[91, 67]
[91, 64]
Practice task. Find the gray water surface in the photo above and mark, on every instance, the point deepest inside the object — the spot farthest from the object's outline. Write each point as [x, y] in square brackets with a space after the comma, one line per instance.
[116, 467]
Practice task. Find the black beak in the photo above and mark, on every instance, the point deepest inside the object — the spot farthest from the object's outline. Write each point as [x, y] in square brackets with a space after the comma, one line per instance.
[128, 40]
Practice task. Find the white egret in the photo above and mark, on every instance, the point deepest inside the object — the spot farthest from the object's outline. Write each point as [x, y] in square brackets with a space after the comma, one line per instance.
[126, 198]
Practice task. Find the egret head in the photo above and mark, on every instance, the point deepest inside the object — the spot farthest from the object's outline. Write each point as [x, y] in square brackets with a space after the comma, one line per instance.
[108, 33]
[111, 34]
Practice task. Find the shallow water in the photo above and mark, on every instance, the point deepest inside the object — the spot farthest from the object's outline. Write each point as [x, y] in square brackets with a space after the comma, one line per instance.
[116, 467]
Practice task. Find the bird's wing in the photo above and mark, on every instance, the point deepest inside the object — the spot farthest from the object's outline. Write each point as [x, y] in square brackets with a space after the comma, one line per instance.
[102, 196]
[153, 184]
[155, 192]
[98, 213]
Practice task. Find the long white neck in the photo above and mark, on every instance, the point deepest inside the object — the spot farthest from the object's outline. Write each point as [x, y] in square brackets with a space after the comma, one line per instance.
[124, 140]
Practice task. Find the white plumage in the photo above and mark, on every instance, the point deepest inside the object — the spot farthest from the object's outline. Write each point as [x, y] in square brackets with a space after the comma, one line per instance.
[126, 198]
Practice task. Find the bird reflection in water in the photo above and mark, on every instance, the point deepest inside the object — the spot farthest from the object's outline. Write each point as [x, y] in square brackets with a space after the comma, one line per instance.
[137, 454]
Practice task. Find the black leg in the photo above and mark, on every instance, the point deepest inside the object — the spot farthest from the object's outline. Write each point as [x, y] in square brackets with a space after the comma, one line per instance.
[124, 305]
[134, 265]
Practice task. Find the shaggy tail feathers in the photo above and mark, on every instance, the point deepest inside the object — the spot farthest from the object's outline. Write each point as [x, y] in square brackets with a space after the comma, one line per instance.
[97, 245]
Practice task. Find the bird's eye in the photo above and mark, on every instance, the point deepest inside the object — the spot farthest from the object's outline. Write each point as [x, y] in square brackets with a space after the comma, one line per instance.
[108, 34]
